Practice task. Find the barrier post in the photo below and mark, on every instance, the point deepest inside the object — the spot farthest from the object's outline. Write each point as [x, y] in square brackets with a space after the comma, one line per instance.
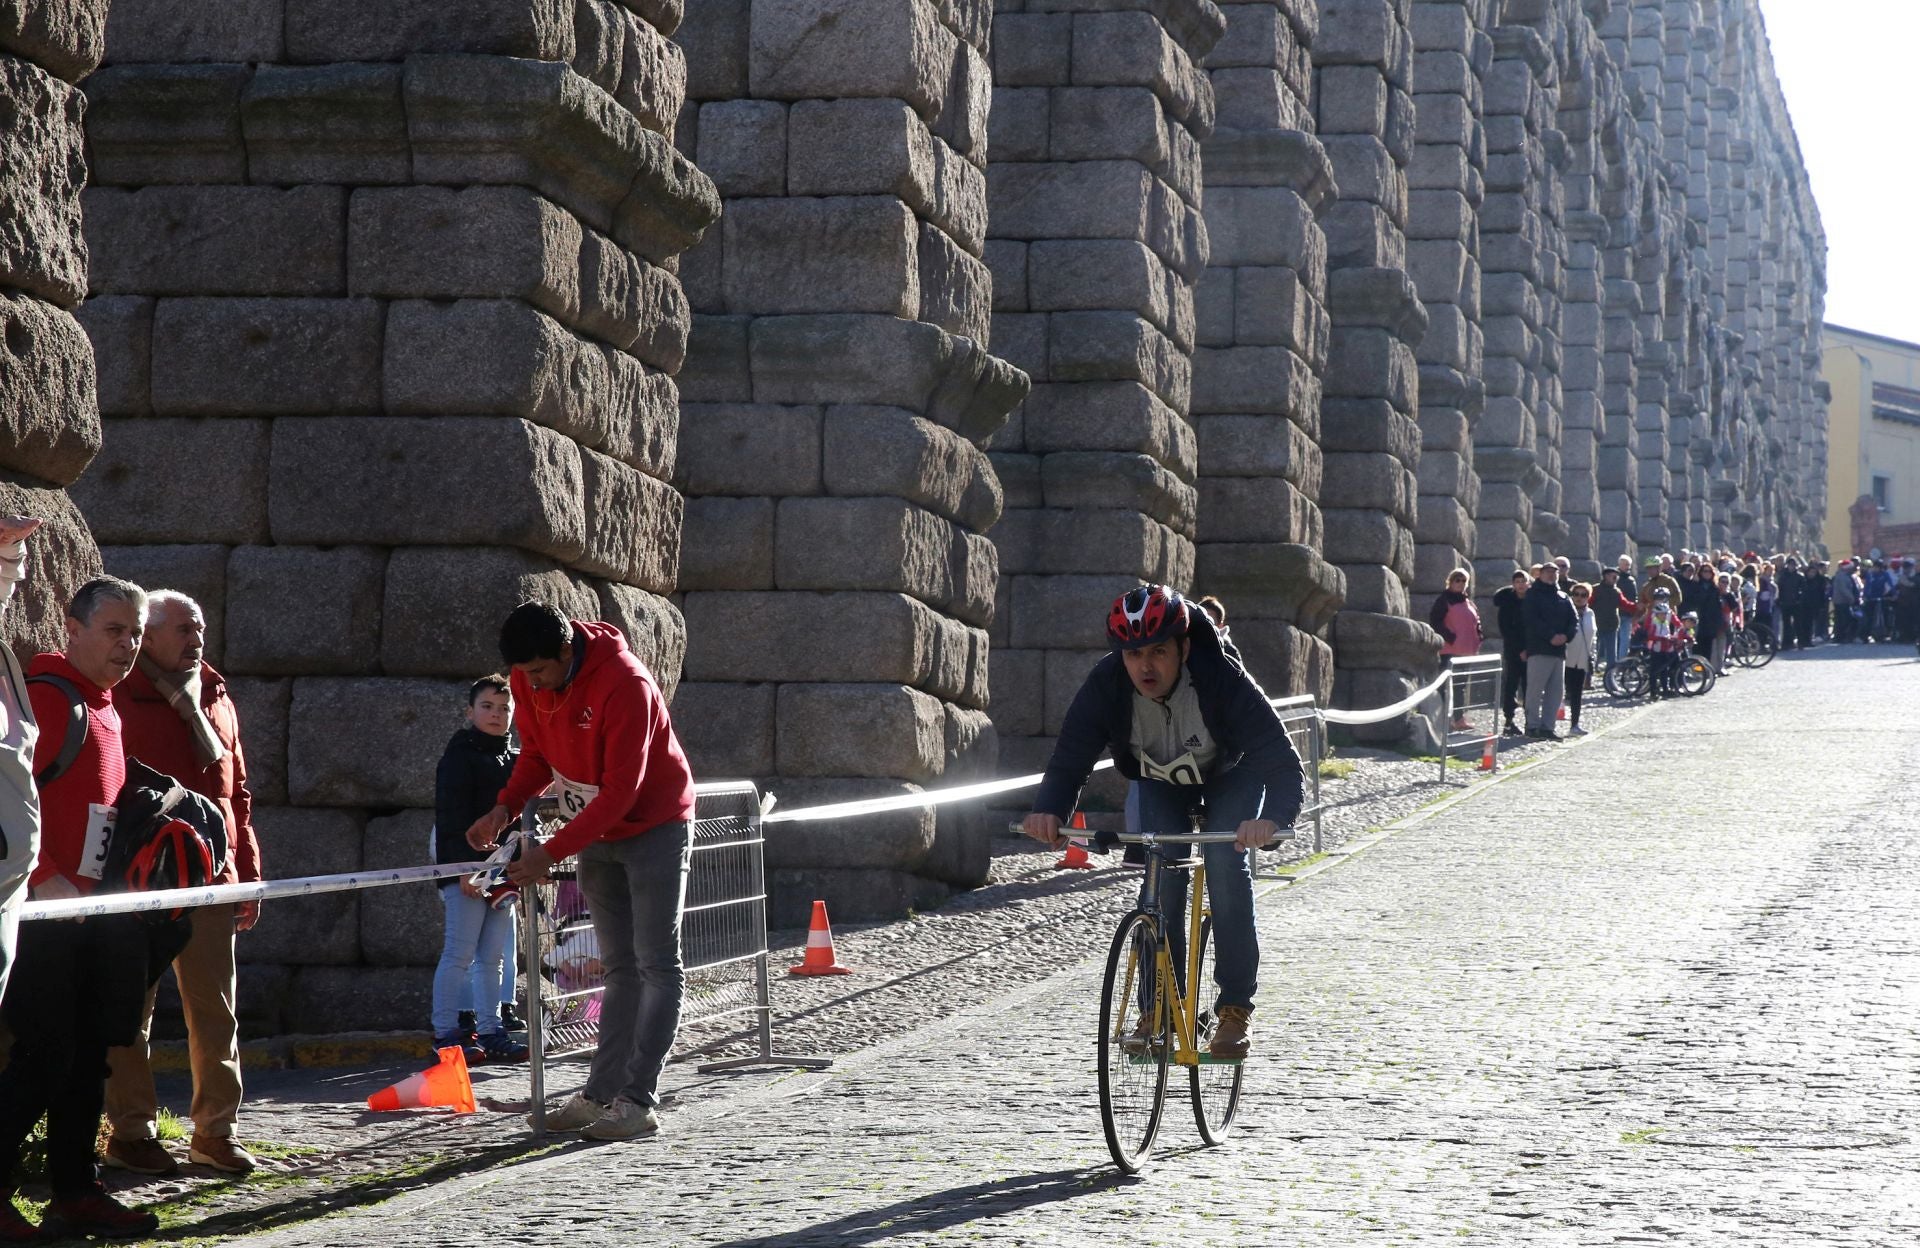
[533, 1007]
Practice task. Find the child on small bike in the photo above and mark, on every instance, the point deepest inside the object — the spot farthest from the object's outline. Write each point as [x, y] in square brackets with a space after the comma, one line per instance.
[1184, 719]
[1667, 640]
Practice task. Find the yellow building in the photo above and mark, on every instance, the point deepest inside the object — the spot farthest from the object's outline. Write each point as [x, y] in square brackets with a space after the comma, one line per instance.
[1873, 430]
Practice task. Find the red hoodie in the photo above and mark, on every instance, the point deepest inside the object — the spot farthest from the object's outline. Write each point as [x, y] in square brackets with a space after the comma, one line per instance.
[607, 730]
[94, 778]
[154, 733]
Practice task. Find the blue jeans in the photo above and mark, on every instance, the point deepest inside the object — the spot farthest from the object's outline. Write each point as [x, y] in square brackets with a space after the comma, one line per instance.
[636, 889]
[1228, 800]
[1611, 651]
[472, 967]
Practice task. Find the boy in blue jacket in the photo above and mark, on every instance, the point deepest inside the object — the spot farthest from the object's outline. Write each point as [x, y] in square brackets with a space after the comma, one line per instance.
[1181, 716]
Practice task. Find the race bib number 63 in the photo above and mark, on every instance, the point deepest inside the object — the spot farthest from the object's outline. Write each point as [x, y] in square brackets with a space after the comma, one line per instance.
[572, 795]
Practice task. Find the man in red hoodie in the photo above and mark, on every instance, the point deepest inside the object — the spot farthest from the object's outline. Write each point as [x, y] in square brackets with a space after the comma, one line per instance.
[177, 717]
[77, 985]
[593, 726]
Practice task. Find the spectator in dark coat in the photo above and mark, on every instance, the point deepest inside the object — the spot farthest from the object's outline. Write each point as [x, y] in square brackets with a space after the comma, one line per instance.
[1508, 610]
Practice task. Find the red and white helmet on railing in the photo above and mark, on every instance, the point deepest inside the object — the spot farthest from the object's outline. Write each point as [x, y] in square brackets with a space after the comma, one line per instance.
[1146, 616]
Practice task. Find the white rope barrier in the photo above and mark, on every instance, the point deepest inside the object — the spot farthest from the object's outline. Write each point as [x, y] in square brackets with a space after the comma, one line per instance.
[1384, 713]
[913, 801]
[222, 894]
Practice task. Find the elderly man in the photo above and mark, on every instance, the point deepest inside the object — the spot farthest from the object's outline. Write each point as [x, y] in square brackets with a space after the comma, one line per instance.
[177, 717]
[76, 986]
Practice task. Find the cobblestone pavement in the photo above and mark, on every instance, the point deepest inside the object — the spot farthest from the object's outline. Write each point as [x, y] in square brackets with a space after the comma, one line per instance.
[1662, 991]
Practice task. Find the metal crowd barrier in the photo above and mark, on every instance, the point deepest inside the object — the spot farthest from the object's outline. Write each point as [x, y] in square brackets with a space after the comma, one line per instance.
[723, 939]
[1473, 684]
[1308, 732]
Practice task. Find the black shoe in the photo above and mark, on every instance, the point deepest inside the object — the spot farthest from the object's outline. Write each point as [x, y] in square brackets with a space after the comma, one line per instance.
[510, 1019]
[468, 1025]
[469, 1047]
[499, 1047]
[1511, 730]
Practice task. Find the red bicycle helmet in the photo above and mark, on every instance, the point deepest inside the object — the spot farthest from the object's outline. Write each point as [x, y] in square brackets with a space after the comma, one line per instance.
[1146, 616]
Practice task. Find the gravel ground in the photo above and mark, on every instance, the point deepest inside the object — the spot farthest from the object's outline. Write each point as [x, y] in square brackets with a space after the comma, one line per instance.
[321, 1150]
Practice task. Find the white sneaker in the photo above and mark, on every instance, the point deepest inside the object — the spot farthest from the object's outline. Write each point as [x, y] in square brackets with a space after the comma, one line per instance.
[578, 1113]
[624, 1120]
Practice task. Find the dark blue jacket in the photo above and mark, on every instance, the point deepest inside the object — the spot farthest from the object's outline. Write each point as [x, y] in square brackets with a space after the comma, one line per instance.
[1243, 725]
[1548, 613]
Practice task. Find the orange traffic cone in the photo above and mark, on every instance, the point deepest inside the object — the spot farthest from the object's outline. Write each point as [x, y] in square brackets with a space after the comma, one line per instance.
[1075, 859]
[446, 1084]
[1486, 756]
[820, 959]
[1563, 712]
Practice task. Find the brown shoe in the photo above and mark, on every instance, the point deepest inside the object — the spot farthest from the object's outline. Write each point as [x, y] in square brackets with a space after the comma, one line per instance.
[1230, 1033]
[140, 1156]
[221, 1152]
[1143, 1039]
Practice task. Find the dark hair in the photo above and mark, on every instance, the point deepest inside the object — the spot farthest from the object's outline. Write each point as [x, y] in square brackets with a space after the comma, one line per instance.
[87, 599]
[1215, 609]
[492, 680]
[533, 630]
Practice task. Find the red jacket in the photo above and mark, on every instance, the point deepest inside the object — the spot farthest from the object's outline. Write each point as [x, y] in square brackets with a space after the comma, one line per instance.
[154, 733]
[607, 729]
[94, 778]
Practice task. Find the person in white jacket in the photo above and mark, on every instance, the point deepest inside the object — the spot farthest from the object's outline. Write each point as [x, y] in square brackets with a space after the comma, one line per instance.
[1581, 653]
[19, 799]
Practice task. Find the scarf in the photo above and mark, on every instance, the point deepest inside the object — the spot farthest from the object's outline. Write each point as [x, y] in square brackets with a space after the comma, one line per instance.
[183, 691]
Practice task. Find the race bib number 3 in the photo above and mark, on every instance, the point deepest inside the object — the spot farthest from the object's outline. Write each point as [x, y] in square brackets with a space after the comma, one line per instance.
[93, 852]
[572, 795]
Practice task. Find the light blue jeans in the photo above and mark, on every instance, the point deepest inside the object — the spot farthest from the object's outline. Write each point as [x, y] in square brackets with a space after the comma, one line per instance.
[472, 962]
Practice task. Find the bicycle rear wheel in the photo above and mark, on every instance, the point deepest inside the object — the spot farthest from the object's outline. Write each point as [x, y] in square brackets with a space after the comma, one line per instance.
[1133, 1084]
[1760, 648]
[1695, 677]
[1215, 1085]
[1629, 677]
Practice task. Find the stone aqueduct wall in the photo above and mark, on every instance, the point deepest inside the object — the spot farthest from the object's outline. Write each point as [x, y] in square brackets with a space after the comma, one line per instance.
[854, 353]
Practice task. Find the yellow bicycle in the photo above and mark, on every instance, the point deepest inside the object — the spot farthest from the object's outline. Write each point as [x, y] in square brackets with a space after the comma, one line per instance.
[1151, 1015]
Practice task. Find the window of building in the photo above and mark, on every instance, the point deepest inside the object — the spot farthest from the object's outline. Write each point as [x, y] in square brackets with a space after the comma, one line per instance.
[1883, 491]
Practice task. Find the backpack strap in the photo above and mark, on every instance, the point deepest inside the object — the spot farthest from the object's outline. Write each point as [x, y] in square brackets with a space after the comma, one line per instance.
[77, 720]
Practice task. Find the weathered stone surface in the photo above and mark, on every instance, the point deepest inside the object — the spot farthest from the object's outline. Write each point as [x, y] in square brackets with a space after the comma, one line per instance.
[234, 30]
[400, 926]
[326, 123]
[322, 31]
[41, 251]
[60, 557]
[368, 741]
[120, 327]
[655, 630]
[217, 240]
[305, 931]
[379, 998]
[442, 606]
[64, 37]
[727, 544]
[859, 730]
[514, 483]
[873, 450]
[337, 630]
[49, 424]
[266, 357]
[883, 544]
[633, 524]
[131, 493]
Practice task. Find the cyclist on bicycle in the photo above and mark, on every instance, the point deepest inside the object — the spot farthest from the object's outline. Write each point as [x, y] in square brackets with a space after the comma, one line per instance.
[1181, 716]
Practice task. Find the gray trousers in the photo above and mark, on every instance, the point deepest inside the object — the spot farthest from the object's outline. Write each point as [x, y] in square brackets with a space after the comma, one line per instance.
[636, 889]
[1546, 686]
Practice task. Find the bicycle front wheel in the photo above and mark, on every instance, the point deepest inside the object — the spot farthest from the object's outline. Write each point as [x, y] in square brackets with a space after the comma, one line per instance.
[1133, 1043]
[1629, 677]
[1760, 649]
[1215, 1085]
[1696, 676]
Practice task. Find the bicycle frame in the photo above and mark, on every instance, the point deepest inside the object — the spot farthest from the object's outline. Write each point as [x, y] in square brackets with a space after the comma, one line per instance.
[1184, 1007]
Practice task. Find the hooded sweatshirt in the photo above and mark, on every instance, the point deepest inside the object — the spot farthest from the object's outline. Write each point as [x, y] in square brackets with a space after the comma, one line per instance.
[605, 741]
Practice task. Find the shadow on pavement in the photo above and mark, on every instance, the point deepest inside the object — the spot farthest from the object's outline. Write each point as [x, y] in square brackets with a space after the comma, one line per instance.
[939, 1211]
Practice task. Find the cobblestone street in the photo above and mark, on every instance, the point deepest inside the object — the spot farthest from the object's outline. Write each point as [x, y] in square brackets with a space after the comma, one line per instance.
[1662, 990]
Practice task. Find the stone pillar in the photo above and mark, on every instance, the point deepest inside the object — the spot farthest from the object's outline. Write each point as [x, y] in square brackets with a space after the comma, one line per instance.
[1447, 187]
[838, 583]
[388, 321]
[49, 421]
[1363, 66]
[1262, 330]
[1097, 241]
[1586, 94]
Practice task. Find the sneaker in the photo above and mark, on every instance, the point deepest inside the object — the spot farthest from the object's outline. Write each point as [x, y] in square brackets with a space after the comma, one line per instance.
[95, 1213]
[221, 1152]
[469, 1025]
[1576, 731]
[578, 1113]
[500, 1047]
[1230, 1033]
[510, 1019]
[1511, 730]
[624, 1120]
[140, 1156]
[14, 1227]
[468, 1048]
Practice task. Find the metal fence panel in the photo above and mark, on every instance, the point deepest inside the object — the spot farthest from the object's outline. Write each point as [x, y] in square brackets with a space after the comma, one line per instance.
[1473, 685]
